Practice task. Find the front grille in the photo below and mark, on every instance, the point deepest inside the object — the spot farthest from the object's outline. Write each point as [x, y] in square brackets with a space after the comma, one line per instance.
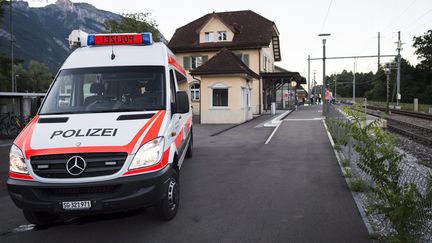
[98, 164]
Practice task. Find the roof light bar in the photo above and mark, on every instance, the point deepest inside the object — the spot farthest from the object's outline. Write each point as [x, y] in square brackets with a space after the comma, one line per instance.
[120, 39]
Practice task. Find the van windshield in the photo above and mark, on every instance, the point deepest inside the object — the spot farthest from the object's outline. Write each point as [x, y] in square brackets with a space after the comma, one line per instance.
[106, 89]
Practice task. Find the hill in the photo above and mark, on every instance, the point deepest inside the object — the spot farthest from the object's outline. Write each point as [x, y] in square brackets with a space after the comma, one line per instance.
[41, 33]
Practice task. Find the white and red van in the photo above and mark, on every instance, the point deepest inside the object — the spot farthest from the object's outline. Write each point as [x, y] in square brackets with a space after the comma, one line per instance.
[110, 135]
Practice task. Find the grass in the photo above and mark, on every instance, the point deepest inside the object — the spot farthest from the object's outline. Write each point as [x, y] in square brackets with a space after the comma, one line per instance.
[345, 163]
[347, 172]
[358, 185]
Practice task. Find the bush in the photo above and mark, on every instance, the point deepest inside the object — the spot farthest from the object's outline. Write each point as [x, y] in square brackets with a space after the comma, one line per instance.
[347, 172]
[402, 204]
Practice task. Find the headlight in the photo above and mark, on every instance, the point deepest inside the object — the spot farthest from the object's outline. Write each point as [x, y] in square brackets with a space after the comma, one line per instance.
[149, 154]
[16, 161]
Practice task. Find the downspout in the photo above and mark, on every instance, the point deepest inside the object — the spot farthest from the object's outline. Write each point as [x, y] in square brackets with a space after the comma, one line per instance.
[199, 81]
[259, 81]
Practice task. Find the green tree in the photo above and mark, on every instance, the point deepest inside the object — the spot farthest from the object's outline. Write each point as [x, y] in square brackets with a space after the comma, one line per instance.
[2, 3]
[423, 45]
[134, 23]
[5, 72]
[39, 76]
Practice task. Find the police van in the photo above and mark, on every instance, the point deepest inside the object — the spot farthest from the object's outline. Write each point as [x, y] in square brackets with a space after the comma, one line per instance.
[110, 135]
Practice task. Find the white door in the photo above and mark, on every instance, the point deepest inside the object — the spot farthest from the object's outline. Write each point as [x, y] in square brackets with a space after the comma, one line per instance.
[246, 102]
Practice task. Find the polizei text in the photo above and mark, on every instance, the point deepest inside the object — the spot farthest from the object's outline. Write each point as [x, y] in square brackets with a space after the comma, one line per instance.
[91, 132]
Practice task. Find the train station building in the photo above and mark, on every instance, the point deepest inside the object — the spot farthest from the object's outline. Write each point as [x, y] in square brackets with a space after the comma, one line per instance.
[230, 60]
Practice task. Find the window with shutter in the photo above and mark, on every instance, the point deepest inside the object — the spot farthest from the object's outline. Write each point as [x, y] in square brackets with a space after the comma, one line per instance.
[187, 63]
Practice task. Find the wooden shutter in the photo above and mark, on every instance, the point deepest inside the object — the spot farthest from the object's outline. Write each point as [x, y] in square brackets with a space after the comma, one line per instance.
[187, 63]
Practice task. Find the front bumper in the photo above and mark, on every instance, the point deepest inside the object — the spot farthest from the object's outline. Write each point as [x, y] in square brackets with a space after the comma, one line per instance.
[120, 194]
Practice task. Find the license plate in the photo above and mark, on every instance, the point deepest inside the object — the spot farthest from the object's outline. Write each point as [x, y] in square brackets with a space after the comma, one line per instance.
[76, 205]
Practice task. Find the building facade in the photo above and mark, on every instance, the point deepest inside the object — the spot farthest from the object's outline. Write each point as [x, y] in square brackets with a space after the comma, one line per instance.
[224, 54]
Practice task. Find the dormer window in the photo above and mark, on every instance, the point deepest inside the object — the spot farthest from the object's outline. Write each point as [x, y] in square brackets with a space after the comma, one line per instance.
[222, 35]
[209, 37]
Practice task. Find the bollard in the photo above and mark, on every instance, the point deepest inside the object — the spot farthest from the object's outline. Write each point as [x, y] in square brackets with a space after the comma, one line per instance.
[415, 104]
[430, 110]
[273, 108]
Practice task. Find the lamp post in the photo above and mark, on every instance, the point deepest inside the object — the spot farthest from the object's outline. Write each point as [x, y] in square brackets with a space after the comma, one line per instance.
[12, 43]
[324, 39]
[387, 71]
[294, 85]
[15, 83]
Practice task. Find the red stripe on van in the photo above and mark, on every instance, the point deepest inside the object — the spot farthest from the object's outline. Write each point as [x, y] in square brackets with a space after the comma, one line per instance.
[154, 130]
[19, 176]
[28, 151]
[173, 61]
[179, 138]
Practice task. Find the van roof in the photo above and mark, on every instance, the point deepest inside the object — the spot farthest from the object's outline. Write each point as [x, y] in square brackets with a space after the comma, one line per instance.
[124, 55]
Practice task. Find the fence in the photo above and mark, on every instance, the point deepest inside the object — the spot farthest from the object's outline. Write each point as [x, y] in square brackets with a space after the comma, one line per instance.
[16, 109]
[412, 172]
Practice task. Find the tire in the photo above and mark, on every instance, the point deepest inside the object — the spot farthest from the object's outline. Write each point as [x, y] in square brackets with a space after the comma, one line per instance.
[40, 218]
[189, 151]
[167, 208]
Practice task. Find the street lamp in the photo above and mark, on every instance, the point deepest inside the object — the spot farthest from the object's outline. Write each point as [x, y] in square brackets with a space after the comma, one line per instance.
[387, 71]
[324, 39]
[15, 86]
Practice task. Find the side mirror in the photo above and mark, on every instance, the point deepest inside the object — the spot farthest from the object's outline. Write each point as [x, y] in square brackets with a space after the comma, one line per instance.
[182, 102]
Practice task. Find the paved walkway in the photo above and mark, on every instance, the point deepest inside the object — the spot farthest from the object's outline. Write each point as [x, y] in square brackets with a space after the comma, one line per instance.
[315, 193]
[234, 189]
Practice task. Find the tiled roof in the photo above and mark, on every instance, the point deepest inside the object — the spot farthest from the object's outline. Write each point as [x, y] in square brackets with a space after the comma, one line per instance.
[224, 62]
[251, 30]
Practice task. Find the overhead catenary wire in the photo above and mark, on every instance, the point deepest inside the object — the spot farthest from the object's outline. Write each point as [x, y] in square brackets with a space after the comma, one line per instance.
[401, 14]
[326, 16]
[416, 20]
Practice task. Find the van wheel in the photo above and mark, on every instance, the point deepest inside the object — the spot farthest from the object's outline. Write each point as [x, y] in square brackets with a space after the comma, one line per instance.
[167, 208]
[190, 148]
[40, 218]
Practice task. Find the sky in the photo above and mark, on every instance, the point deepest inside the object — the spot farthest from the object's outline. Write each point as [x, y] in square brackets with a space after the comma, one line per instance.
[353, 25]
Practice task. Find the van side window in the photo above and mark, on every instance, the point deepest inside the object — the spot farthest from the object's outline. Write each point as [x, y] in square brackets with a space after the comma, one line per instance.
[172, 86]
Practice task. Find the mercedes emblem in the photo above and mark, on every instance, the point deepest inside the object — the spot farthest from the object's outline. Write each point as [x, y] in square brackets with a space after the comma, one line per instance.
[76, 165]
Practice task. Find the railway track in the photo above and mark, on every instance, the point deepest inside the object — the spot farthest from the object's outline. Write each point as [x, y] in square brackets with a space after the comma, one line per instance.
[405, 113]
[419, 134]
[415, 132]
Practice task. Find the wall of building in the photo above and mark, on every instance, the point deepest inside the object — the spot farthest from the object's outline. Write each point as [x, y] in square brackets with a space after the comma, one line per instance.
[234, 113]
[267, 55]
[257, 60]
[186, 86]
[215, 25]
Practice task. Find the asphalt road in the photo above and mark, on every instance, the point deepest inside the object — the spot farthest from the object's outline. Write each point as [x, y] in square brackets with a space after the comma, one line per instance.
[234, 189]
